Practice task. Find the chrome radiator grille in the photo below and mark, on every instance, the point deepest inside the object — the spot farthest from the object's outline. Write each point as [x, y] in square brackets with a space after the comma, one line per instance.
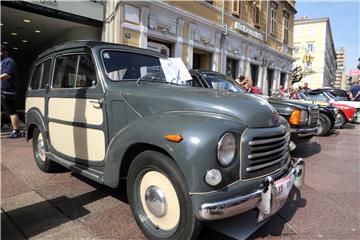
[314, 116]
[265, 154]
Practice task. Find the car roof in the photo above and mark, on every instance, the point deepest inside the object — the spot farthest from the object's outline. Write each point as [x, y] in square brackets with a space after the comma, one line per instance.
[327, 90]
[200, 71]
[93, 44]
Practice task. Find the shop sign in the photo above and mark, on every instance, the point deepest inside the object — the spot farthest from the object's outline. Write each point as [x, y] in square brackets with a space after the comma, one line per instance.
[354, 72]
[245, 29]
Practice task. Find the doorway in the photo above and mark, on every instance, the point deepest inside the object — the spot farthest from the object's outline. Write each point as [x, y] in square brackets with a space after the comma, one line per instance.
[254, 71]
[26, 34]
[201, 59]
[231, 67]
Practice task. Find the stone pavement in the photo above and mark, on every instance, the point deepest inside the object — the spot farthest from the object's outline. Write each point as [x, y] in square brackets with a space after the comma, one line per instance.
[64, 205]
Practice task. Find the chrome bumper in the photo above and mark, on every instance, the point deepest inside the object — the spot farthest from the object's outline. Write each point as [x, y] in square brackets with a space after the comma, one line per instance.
[261, 198]
[304, 132]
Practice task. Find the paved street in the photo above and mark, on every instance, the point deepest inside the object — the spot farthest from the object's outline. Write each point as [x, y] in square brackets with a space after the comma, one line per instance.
[67, 206]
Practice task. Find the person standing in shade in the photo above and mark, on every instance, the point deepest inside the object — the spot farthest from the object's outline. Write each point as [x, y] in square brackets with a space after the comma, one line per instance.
[8, 90]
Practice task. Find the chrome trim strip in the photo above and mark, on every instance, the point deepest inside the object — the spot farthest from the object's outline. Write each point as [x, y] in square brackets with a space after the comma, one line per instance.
[258, 142]
[229, 207]
[249, 169]
[278, 155]
[255, 155]
[255, 148]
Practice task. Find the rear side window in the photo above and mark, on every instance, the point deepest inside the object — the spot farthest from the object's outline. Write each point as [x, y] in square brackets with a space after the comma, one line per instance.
[40, 75]
[36, 78]
[46, 71]
[74, 71]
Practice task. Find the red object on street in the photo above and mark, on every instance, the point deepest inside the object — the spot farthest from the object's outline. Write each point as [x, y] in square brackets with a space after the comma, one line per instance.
[347, 110]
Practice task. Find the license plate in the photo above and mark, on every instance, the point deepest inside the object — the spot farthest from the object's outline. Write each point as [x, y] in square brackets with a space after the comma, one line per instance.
[282, 188]
[279, 194]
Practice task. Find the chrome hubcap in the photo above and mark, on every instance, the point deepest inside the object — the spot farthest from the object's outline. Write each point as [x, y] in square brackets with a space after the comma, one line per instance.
[40, 149]
[156, 201]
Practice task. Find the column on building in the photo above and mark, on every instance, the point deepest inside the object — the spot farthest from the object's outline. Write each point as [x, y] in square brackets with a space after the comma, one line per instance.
[260, 79]
[112, 29]
[144, 22]
[179, 39]
[191, 46]
[215, 66]
[286, 81]
[224, 48]
[240, 66]
[247, 67]
[276, 82]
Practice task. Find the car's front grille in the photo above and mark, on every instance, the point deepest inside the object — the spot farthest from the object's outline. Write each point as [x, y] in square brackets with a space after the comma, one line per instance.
[314, 116]
[265, 153]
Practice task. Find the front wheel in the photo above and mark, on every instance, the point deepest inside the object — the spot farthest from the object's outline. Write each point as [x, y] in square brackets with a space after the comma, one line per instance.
[340, 120]
[39, 148]
[323, 125]
[159, 198]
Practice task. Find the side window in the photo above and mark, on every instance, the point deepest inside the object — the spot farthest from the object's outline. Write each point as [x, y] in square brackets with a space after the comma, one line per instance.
[65, 71]
[194, 82]
[36, 78]
[74, 71]
[86, 76]
[46, 72]
[318, 97]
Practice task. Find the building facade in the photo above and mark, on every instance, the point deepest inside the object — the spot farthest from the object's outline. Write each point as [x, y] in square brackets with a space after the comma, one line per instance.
[314, 51]
[340, 78]
[251, 38]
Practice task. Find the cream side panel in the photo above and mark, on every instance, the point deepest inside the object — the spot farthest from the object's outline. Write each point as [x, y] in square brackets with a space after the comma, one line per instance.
[75, 110]
[78, 142]
[35, 102]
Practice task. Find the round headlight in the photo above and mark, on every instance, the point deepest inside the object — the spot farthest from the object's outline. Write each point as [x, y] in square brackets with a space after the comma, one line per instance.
[226, 149]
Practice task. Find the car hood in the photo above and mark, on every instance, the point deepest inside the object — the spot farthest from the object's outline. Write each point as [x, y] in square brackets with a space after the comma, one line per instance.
[291, 102]
[154, 98]
[354, 104]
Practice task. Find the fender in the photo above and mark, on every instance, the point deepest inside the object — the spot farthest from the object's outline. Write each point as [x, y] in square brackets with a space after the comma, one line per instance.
[33, 116]
[329, 114]
[194, 155]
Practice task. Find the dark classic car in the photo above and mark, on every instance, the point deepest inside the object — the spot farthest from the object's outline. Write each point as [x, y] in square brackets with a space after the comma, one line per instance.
[111, 112]
[302, 117]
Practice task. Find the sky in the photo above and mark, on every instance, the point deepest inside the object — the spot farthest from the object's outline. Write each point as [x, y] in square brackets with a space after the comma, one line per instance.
[344, 20]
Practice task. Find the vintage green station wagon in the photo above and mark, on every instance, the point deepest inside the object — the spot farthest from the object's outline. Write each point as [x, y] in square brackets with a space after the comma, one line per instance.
[111, 112]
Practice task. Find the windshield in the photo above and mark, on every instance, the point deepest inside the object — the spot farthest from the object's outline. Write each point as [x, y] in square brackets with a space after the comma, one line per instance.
[221, 82]
[338, 96]
[127, 66]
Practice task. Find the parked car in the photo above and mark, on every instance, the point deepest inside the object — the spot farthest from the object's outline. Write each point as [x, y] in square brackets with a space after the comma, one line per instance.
[111, 112]
[302, 117]
[339, 96]
[345, 113]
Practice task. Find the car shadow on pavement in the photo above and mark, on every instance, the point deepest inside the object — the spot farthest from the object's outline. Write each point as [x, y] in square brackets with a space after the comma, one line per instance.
[348, 126]
[278, 224]
[306, 150]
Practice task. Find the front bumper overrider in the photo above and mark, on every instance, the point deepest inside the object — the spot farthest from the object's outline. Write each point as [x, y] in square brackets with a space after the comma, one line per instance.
[262, 199]
[304, 132]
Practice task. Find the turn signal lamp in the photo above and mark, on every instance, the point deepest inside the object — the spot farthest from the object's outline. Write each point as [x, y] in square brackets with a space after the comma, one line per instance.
[174, 138]
[295, 117]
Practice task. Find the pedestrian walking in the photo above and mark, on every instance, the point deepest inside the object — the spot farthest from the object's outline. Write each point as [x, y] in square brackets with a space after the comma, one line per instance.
[8, 90]
[355, 92]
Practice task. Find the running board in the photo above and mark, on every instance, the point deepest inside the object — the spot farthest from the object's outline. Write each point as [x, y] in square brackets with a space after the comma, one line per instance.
[89, 173]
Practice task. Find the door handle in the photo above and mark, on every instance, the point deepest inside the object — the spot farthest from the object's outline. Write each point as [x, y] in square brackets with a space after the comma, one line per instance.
[97, 103]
